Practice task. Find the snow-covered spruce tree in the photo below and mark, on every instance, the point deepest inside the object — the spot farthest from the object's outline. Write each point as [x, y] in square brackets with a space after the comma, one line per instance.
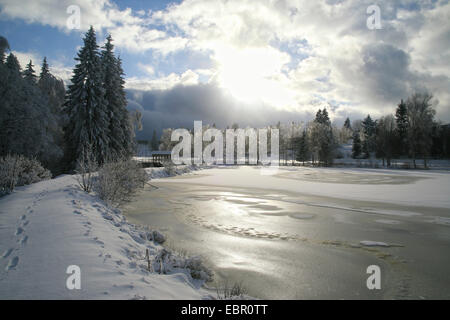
[29, 74]
[127, 122]
[53, 88]
[13, 64]
[45, 71]
[88, 123]
[54, 92]
[121, 139]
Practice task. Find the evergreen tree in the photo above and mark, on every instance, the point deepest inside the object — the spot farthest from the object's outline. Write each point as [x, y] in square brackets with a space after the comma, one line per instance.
[54, 91]
[44, 70]
[401, 118]
[356, 149]
[29, 74]
[346, 132]
[322, 117]
[25, 119]
[88, 126]
[319, 117]
[116, 103]
[325, 117]
[302, 148]
[347, 124]
[129, 122]
[369, 129]
[13, 64]
[322, 139]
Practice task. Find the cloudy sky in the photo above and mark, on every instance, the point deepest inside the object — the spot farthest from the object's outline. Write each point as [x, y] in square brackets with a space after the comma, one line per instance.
[250, 61]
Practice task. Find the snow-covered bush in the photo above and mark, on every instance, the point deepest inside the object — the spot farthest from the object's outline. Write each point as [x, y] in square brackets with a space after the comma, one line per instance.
[118, 181]
[86, 167]
[8, 174]
[197, 269]
[31, 171]
[169, 167]
[158, 237]
[153, 235]
[226, 291]
[17, 170]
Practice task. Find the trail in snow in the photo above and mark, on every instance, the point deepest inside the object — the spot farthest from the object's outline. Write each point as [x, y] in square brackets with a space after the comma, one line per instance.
[47, 226]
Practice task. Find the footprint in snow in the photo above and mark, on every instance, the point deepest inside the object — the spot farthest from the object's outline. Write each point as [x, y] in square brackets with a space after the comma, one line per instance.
[7, 253]
[12, 263]
[98, 241]
[24, 240]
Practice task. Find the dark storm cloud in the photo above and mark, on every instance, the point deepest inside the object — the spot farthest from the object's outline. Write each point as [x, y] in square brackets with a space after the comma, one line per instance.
[180, 106]
[386, 72]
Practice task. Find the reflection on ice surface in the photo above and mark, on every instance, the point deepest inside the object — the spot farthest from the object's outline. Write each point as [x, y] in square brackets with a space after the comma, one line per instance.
[286, 244]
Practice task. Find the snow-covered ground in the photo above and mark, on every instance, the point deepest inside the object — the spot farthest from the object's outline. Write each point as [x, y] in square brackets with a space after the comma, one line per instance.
[48, 226]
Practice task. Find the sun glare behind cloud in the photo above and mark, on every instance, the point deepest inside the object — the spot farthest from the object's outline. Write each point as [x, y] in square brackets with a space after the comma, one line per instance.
[253, 74]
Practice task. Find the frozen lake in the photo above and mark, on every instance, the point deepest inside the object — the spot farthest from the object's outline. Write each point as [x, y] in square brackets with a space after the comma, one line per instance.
[297, 234]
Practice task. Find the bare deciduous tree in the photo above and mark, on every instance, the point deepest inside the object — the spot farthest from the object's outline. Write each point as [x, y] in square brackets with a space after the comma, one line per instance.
[86, 167]
[420, 124]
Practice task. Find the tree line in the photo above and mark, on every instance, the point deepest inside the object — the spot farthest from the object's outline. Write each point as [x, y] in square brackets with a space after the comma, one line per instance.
[411, 133]
[31, 116]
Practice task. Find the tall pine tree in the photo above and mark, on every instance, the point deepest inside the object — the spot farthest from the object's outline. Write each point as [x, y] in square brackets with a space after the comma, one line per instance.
[356, 148]
[126, 121]
[347, 124]
[13, 64]
[401, 118]
[88, 126]
[29, 74]
[44, 70]
[111, 84]
[369, 130]
[302, 148]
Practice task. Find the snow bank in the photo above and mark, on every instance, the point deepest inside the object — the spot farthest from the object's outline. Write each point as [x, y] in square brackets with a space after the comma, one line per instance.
[163, 172]
[48, 226]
